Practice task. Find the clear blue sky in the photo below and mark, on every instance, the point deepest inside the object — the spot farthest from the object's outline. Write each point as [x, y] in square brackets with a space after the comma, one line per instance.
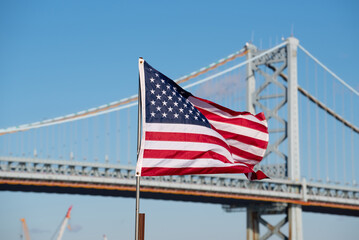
[60, 57]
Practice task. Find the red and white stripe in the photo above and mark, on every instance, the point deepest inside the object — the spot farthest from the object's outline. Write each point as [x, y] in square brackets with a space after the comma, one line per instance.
[246, 134]
[235, 144]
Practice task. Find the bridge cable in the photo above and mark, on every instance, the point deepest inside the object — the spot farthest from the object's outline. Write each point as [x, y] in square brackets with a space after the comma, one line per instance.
[326, 129]
[128, 136]
[352, 142]
[335, 141]
[317, 121]
[327, 69]
[118, 139]
[132, 101]
[308, 128]
[343, 142]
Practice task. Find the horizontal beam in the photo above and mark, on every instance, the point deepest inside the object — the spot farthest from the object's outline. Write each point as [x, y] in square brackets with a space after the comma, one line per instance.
[191, 195]
[51, 174]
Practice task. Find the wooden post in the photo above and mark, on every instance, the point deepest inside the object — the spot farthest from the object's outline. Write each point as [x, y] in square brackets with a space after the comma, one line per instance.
[141, 235]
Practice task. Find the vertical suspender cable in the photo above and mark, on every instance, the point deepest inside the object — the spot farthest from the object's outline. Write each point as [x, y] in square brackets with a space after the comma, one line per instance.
[326, 130]
[352, 141]
[308, 125]
[71, 140]
[335, 140]
[344, 147]
[128, 136]
[3, 144]
[76, 151]
[108, 123]
[118, 141]
[97, 139]
[22, 144]
[8, 143]
[35, 143]
[301, 126]
[28, 149]
[59, 141]
[52, 141]
[86, 153]
[40, 143]
[64, 139]
[46, 152]
[317, 122]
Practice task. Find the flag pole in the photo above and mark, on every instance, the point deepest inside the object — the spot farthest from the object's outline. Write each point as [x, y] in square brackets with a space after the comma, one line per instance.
[140, 63]
[137, 206]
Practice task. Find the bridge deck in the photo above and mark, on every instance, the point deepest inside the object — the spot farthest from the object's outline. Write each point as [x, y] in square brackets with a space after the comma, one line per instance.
[36, 175]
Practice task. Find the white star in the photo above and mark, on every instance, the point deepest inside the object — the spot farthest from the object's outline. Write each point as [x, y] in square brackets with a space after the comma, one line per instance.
[164, 103]
[169, 97]
[176, 104]
[197, 113]
[180, 99]
[195, 117]
[175, 88]
[176, 115]
[163, 92]
[163, 81]
[153, 91]
[173, 93]
[170, 109]
[153, 114]
[164, 114]
[157, 85]
[181, 110]
[190, 111]
[156, 74]
[185, 105]
[153, 102]
[186, 116]
[168, 86]
[158, 108]
[203, 120]
[152, 79]
[158, 96]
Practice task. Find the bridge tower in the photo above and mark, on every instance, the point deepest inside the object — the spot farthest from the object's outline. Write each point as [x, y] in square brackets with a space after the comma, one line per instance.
[279, 70]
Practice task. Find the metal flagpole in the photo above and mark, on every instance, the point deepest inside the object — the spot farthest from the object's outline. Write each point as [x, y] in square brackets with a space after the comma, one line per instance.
[137, 206]
[138, 151]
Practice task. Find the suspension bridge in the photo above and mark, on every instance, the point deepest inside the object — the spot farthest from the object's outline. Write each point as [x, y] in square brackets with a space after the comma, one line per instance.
[311, 158]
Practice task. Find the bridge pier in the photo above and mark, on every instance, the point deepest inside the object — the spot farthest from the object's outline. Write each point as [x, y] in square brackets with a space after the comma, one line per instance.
[277, 60]
[294, 211]
[252, 224]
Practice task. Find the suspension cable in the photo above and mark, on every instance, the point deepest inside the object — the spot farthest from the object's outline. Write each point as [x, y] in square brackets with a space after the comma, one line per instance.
[132, 101]
[328, 70]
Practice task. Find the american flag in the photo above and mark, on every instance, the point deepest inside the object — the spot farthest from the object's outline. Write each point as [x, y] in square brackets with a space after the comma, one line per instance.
[183, 134]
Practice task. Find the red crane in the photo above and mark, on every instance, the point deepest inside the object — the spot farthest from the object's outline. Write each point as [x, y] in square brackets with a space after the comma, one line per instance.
[63, 224]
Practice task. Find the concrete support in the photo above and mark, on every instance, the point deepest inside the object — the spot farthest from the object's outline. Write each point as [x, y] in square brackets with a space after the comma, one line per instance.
[288, 59]
[293, 126]
[294, 211]
[251, 81]
[252, 216]
[295, 222]
[252, 224]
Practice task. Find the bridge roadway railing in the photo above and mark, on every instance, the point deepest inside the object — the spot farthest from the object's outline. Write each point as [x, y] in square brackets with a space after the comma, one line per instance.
[61, 176]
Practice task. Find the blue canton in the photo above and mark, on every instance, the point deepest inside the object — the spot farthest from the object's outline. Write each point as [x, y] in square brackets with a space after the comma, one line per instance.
[166, 102]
